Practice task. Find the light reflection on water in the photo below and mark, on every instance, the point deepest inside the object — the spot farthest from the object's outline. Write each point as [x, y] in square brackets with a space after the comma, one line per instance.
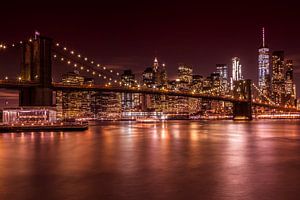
[170, 160]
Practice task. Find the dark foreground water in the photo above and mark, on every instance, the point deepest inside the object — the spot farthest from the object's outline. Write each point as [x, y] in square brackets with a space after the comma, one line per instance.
[173, 160]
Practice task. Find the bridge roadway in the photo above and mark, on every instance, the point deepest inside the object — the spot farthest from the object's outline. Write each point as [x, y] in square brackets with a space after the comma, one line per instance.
[17, 85]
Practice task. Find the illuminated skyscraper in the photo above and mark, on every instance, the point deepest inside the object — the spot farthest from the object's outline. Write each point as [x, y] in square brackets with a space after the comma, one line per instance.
[263, 67]
[290, 87]
[155, 64]
[223, 72]
[163, 75]
[130, 101]
[236, 69]
[74, 104]
[185, 73]
[278, 77]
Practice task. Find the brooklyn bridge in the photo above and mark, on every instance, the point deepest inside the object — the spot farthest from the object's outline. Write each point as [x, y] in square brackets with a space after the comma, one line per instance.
[36, 86]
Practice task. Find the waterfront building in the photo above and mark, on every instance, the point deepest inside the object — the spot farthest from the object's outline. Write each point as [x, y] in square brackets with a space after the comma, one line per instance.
[32, 115]
[107, 105]
[263, 67]
[130, 101]
[74, 104]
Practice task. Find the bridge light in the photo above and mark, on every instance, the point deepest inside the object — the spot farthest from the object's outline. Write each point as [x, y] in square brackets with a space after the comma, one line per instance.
[57, 44]
[21, 42]
[6, 78]
[13, 45]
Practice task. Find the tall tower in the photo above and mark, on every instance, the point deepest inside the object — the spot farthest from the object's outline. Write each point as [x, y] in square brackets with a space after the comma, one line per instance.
[278, 77]
[163, 75]
[290, 87]
[236, 69]
[223, 72]
[37, 67]
[155, 65]
[156, 75]
[264, 66]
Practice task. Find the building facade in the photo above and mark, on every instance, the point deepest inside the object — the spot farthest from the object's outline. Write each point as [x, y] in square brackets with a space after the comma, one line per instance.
[264, 68]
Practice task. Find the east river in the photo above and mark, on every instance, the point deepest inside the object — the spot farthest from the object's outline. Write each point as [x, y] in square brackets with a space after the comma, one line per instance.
[171, 160]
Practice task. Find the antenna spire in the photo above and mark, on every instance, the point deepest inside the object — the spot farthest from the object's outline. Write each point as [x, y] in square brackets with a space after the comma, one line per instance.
[263, 36]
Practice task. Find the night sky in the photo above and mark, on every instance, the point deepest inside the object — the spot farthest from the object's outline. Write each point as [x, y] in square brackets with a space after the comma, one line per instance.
[128, 35]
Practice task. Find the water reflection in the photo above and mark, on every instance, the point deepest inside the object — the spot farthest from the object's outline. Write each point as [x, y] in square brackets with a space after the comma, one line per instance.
[170, 160]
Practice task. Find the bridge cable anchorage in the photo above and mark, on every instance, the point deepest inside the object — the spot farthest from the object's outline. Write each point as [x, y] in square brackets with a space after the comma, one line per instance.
[78, 56]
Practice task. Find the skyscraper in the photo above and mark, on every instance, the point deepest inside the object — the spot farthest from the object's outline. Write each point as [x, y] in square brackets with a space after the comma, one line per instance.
[163, 75]
[278, 77]
[185, 73]
[236, 69]
[223, 72]
[290, 87]
[263, 67]
[74, 104]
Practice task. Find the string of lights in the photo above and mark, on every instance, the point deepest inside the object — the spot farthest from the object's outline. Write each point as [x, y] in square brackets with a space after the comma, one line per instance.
[79, 56]
[84, 68]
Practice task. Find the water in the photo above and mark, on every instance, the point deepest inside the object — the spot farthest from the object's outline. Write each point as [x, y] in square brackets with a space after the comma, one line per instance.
[172, 160]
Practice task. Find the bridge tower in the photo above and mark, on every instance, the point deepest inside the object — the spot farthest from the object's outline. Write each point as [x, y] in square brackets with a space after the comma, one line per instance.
[242, 90]
[37, 67]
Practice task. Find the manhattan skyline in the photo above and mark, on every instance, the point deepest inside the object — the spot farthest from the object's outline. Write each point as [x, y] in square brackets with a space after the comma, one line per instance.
[130, 35]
